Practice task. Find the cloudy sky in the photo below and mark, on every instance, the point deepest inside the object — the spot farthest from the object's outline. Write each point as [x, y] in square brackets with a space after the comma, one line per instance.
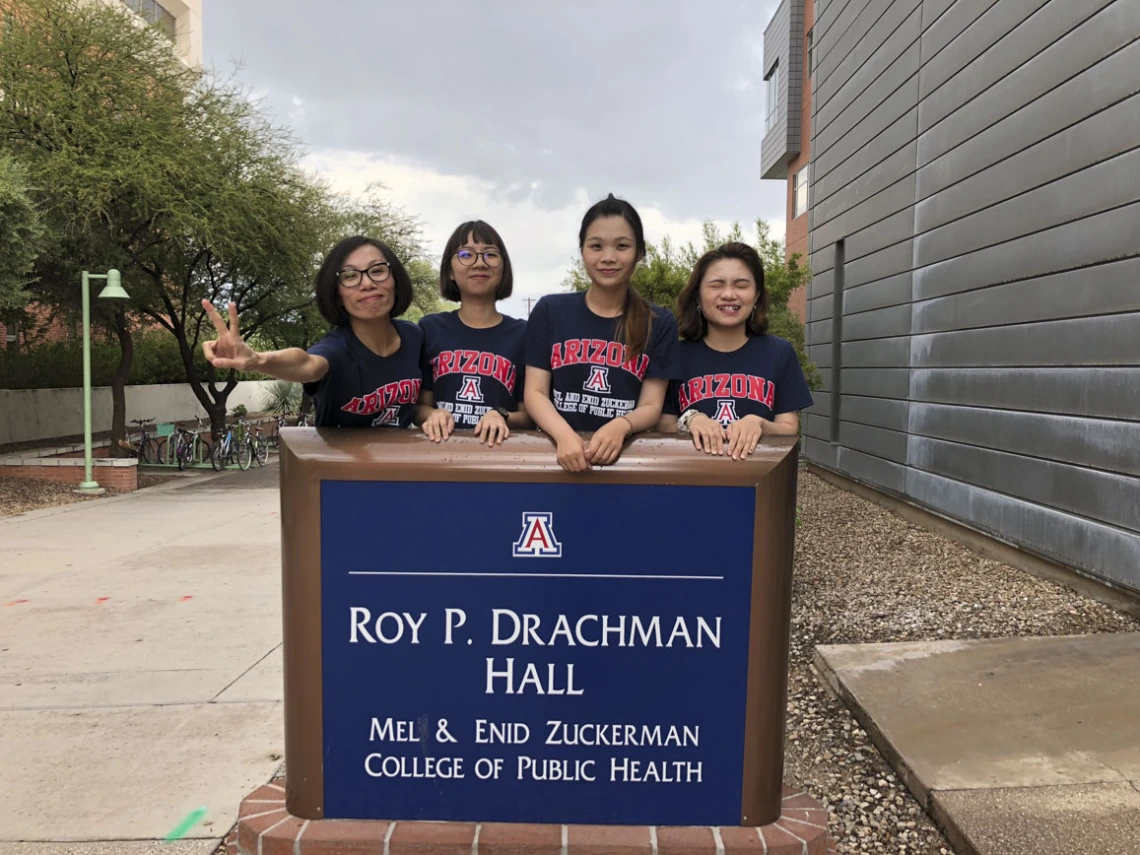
[518, 112]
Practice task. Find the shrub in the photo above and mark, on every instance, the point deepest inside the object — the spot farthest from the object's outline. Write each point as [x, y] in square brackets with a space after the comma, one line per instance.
[60, 364]
[282, 397]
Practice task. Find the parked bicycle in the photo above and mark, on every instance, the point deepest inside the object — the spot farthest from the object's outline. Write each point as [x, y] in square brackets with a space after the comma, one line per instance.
[187, 445]
[231, 448]
[274, 438]
[259, 445]
[145, 446]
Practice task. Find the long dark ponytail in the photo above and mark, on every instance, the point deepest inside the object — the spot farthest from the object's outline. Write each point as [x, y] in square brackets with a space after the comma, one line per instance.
[636, 322]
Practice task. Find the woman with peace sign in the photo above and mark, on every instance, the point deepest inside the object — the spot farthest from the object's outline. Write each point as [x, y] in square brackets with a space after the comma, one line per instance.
[366, 371]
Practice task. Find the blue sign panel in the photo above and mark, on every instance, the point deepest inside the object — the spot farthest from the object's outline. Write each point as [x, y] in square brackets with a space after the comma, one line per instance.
[535, 652]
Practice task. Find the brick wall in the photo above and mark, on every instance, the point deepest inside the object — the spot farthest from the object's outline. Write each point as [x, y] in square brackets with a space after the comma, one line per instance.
[125, 478]
[42, 325]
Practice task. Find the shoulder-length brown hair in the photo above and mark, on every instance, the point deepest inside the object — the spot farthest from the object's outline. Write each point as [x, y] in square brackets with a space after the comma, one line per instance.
[691, 324]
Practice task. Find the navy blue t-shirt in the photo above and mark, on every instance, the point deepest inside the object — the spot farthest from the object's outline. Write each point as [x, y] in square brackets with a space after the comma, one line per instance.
[470, 371]
[364, 389]
[592, 382]
[761, 378]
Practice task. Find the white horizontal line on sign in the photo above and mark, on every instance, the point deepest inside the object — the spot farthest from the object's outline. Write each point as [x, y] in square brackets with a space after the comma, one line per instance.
[533, 575]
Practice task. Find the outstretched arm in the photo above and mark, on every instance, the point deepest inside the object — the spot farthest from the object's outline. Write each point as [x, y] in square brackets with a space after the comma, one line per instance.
[231, 351]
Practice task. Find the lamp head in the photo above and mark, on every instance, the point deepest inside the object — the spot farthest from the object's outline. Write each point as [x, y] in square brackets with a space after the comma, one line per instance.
[114, 289]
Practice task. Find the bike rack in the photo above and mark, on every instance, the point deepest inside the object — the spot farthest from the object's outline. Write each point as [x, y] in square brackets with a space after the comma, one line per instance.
[169, 431]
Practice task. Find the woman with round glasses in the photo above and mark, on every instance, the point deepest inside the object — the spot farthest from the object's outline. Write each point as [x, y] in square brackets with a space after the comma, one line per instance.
[366, 371]
[473, 357]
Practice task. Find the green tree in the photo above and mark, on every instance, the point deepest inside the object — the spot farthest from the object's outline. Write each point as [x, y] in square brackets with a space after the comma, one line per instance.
[253, 233]
[665, 271]
[92, 106]
[160, 170]
[20, 234]
[425, 290]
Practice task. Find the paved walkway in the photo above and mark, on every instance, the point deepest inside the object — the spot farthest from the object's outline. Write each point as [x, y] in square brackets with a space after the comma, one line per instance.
[1021, 746]
[140, 666]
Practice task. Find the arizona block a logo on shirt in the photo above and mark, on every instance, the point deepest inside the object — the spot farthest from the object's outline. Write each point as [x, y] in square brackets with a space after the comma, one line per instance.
[390, 416]
[740, 386]
[471, 390]
[596, 351]
[725, 411]
[395, 393]
[599, 379]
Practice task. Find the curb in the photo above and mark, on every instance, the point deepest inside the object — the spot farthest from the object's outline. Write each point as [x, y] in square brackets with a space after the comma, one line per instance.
[266, 827]
[181, 483]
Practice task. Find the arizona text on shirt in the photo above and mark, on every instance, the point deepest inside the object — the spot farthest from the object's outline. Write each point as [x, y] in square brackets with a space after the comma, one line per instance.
[596, 351]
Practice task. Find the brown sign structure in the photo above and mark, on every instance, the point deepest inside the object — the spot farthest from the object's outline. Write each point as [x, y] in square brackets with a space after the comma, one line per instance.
[319, 467]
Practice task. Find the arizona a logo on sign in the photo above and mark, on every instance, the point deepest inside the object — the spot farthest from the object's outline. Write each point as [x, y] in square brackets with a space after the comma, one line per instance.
[537, 539]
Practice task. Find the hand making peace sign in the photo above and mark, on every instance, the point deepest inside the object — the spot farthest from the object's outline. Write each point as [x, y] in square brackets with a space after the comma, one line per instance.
[229, 351]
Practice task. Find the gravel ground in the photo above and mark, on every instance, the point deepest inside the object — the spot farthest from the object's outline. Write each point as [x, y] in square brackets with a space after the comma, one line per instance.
[19, 495]
[865, 575]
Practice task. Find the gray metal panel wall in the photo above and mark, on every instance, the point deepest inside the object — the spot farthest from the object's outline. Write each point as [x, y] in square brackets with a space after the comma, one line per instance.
[783, 40]
[981, 164]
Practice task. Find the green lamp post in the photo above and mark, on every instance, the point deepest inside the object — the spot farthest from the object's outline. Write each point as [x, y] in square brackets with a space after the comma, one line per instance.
[112, 291]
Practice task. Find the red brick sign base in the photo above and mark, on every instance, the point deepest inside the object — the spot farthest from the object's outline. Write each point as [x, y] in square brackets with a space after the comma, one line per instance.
[266, 828]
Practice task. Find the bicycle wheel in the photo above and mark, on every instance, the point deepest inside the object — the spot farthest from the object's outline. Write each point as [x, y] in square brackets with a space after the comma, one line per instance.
[146, 451]
[217, 455]
[245, 453]
[261, 450]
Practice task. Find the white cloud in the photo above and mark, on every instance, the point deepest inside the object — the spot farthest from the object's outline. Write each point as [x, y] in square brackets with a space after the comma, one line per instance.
[543, 242]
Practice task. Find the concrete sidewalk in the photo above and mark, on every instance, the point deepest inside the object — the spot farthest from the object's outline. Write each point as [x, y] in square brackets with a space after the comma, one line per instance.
[140, 666]
[1021, 746]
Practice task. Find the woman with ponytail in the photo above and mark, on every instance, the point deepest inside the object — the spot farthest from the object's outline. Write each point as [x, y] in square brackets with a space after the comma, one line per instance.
[600, 360]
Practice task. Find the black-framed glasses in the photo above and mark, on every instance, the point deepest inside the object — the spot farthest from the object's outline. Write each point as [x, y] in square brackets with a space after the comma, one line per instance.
[467, 257]
[350, 277]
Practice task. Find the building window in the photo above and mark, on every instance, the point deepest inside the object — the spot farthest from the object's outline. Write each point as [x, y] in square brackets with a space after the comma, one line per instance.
[771, 97]
[11, 332]
[154, 13]
[811, 52]
[800, 193]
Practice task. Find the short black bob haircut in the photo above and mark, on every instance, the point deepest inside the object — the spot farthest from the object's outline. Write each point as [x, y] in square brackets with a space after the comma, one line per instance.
[328, 294]
[482, 233]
